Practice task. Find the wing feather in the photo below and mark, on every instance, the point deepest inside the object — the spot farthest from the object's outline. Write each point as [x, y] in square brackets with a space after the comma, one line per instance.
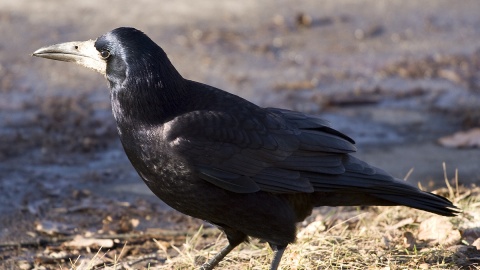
[270, 149]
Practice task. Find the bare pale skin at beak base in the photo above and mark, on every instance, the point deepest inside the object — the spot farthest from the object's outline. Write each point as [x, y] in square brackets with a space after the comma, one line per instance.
[80, 52]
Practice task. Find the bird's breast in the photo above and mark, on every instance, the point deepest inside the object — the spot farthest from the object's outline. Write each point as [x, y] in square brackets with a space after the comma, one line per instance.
[151, 155]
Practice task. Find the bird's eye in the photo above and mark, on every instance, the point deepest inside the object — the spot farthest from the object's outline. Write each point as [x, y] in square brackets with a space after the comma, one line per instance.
[104, 54]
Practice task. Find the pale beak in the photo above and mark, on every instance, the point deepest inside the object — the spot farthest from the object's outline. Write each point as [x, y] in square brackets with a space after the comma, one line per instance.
[80, 52]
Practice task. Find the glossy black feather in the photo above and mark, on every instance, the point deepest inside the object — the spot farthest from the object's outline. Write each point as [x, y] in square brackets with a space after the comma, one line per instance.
[215, 156]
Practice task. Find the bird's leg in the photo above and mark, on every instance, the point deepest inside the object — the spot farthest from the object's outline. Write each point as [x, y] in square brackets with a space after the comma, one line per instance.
[277, 257]
[215, 260]
[234, 239]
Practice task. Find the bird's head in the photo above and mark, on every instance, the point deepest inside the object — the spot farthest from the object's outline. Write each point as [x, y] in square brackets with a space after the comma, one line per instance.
[120, 54]
[144, 83]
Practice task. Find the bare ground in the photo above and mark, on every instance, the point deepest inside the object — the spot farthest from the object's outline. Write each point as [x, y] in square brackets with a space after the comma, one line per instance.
[395, 76]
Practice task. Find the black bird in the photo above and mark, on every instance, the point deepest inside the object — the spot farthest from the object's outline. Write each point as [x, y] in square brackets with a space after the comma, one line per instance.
[212, 155]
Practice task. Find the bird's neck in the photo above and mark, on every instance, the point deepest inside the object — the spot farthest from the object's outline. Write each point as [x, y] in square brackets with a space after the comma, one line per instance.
[152, 101]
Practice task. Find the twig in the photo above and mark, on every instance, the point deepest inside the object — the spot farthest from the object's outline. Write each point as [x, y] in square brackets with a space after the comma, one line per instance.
[408, 174]
[152, 256]
[400, 224]
[36, 242]
[450, 189]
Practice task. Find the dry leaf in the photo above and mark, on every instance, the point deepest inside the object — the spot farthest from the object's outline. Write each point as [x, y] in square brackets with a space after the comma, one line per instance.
[311, 229]
[462, 139]
[471, 234]
[409, 240]
[424, 266]
[134, 222]
[80, 242]
[476, 244]
[53, 228]
[438, 230]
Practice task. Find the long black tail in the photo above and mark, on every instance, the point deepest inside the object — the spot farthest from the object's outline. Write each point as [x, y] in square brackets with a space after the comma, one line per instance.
[418, 199]
[362, 184]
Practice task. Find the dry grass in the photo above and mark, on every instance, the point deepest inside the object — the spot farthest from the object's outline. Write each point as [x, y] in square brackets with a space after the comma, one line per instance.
[338, 238]
[367, 240]
[376, 238]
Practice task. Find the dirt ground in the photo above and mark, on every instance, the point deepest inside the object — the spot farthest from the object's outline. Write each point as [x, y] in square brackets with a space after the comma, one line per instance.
[396, 76]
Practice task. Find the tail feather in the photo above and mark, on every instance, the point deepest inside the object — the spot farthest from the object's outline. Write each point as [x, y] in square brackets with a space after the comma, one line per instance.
[422, 200]
[364, 183]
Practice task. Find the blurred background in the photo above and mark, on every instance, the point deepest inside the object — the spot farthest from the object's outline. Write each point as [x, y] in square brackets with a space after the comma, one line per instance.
[402, 78]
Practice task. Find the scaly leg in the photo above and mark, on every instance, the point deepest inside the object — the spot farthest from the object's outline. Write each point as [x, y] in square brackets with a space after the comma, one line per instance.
[277, 257]
[234, 239]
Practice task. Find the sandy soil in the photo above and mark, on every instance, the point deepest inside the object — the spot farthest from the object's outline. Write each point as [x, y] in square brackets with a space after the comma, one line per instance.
[395, 75]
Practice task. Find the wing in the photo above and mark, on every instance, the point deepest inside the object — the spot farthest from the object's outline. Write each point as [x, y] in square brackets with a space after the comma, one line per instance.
[258, 149]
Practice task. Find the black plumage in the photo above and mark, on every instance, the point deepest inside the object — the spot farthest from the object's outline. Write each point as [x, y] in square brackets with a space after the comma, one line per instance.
[212, 155]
